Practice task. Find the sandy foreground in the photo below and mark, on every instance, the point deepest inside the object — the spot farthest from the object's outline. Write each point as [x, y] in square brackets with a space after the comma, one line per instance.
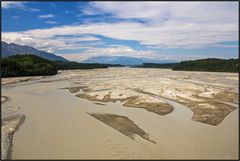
[123, 113]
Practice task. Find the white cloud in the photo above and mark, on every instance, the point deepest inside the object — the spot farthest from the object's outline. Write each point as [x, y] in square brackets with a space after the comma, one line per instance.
[88, 12]
[15, 17]
[168, 25]
[184, 25]
[13, 4]
[176, 24]
[26, 39]
[34, 10]
[183, 12]
[18, 5]
[51, 22]
[172, 35]
[53, 43]
[46, 16]
[76, 38]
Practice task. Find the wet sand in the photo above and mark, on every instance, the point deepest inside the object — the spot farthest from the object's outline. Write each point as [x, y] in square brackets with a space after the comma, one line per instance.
[58, 126]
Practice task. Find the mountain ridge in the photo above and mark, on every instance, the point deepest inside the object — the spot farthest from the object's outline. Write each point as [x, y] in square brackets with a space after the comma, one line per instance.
[10, 49]
[123, 60]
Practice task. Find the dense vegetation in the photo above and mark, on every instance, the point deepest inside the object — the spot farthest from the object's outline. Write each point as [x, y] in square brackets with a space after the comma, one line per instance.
[75, 65]
[32, 65]
[26, 65]
[210, 64]
[155, 65]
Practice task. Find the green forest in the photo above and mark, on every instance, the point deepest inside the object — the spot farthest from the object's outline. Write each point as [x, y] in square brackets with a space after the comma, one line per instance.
[26, 65]
[210, 64]
[75, 65]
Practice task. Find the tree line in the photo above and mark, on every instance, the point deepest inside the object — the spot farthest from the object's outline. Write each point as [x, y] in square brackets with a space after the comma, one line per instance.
[32, 65]
[210, 64]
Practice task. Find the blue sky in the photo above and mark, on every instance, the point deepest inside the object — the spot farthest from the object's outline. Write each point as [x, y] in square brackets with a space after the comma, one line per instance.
[171, 31]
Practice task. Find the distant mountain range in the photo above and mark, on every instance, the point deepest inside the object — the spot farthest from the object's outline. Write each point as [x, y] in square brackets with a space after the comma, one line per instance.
[14, 49]
[18, 55]
[123, 60]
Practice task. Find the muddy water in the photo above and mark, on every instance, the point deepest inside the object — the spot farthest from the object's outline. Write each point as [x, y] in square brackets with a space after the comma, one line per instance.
[57, 126]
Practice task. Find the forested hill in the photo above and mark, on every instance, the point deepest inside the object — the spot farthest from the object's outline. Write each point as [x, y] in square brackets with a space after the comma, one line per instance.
[26, 65]
[210, 64]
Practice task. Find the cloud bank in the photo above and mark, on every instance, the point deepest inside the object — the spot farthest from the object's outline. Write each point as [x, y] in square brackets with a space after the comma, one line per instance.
[184, 25]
